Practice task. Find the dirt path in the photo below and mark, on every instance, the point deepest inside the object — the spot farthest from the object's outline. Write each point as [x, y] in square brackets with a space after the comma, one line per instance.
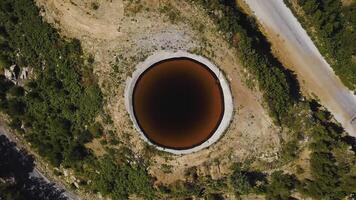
[297, 51]
[103, 23]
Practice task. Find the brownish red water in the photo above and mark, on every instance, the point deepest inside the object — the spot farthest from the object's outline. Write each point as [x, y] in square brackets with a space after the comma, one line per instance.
[178, 103]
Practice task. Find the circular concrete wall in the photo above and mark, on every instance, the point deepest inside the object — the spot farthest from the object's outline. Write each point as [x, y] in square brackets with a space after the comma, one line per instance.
[178, 69]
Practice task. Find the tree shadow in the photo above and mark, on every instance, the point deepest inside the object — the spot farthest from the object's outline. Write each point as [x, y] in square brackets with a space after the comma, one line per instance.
[351, 141]
[14, 162]
[337, 128]
[15, 168]
[37, 188]
[254, 177]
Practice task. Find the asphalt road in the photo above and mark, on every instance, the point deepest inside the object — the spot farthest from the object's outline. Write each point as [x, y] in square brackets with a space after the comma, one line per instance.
[36, 172]
[308, 63]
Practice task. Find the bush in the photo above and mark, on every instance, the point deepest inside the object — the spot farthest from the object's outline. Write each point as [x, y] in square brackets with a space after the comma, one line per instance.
[119, 180]
[17, 91]
[94, 6]
[96, 130]
[4, 62]
[239, 181]
[280, 186]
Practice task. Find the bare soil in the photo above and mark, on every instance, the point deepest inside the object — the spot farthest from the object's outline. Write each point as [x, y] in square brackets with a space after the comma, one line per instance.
[120, 34]
[347, 2]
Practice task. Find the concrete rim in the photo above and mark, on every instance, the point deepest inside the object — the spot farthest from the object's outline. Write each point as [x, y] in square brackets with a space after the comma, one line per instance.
[164, 55]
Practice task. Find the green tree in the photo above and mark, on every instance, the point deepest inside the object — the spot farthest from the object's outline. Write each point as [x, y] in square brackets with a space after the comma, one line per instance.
[17, 91]
[120, 180]
[4, 62]
[280, 186]
[239, 181]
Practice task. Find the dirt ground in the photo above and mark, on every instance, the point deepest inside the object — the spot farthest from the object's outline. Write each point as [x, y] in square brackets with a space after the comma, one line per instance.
[119, 34]
[347, 2]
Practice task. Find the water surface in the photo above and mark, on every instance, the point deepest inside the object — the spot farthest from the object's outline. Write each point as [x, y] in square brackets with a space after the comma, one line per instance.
[178, 103]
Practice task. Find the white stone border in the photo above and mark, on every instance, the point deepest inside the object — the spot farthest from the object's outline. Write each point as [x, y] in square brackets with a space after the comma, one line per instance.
[164, 55]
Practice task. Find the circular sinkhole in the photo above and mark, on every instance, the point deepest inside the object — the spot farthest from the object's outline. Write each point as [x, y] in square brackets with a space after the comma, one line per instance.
[179, 102]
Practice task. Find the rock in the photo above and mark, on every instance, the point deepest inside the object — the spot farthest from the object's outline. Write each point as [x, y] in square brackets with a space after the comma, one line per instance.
[12, 73]
[65, 172]
[8, 74]
[215, 172]
[24, 73]
[76, 184]
[12, 68]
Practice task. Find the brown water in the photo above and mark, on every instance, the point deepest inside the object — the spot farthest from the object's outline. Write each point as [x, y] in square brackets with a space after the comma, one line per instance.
[178, 103]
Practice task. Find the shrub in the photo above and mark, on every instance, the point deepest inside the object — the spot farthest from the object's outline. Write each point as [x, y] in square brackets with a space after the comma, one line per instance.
[280, 186]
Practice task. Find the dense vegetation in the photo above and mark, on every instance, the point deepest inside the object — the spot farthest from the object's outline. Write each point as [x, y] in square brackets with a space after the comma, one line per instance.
[332, 174]
[56, 108]
[334, 32]
[280, 186]
[120, 179]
